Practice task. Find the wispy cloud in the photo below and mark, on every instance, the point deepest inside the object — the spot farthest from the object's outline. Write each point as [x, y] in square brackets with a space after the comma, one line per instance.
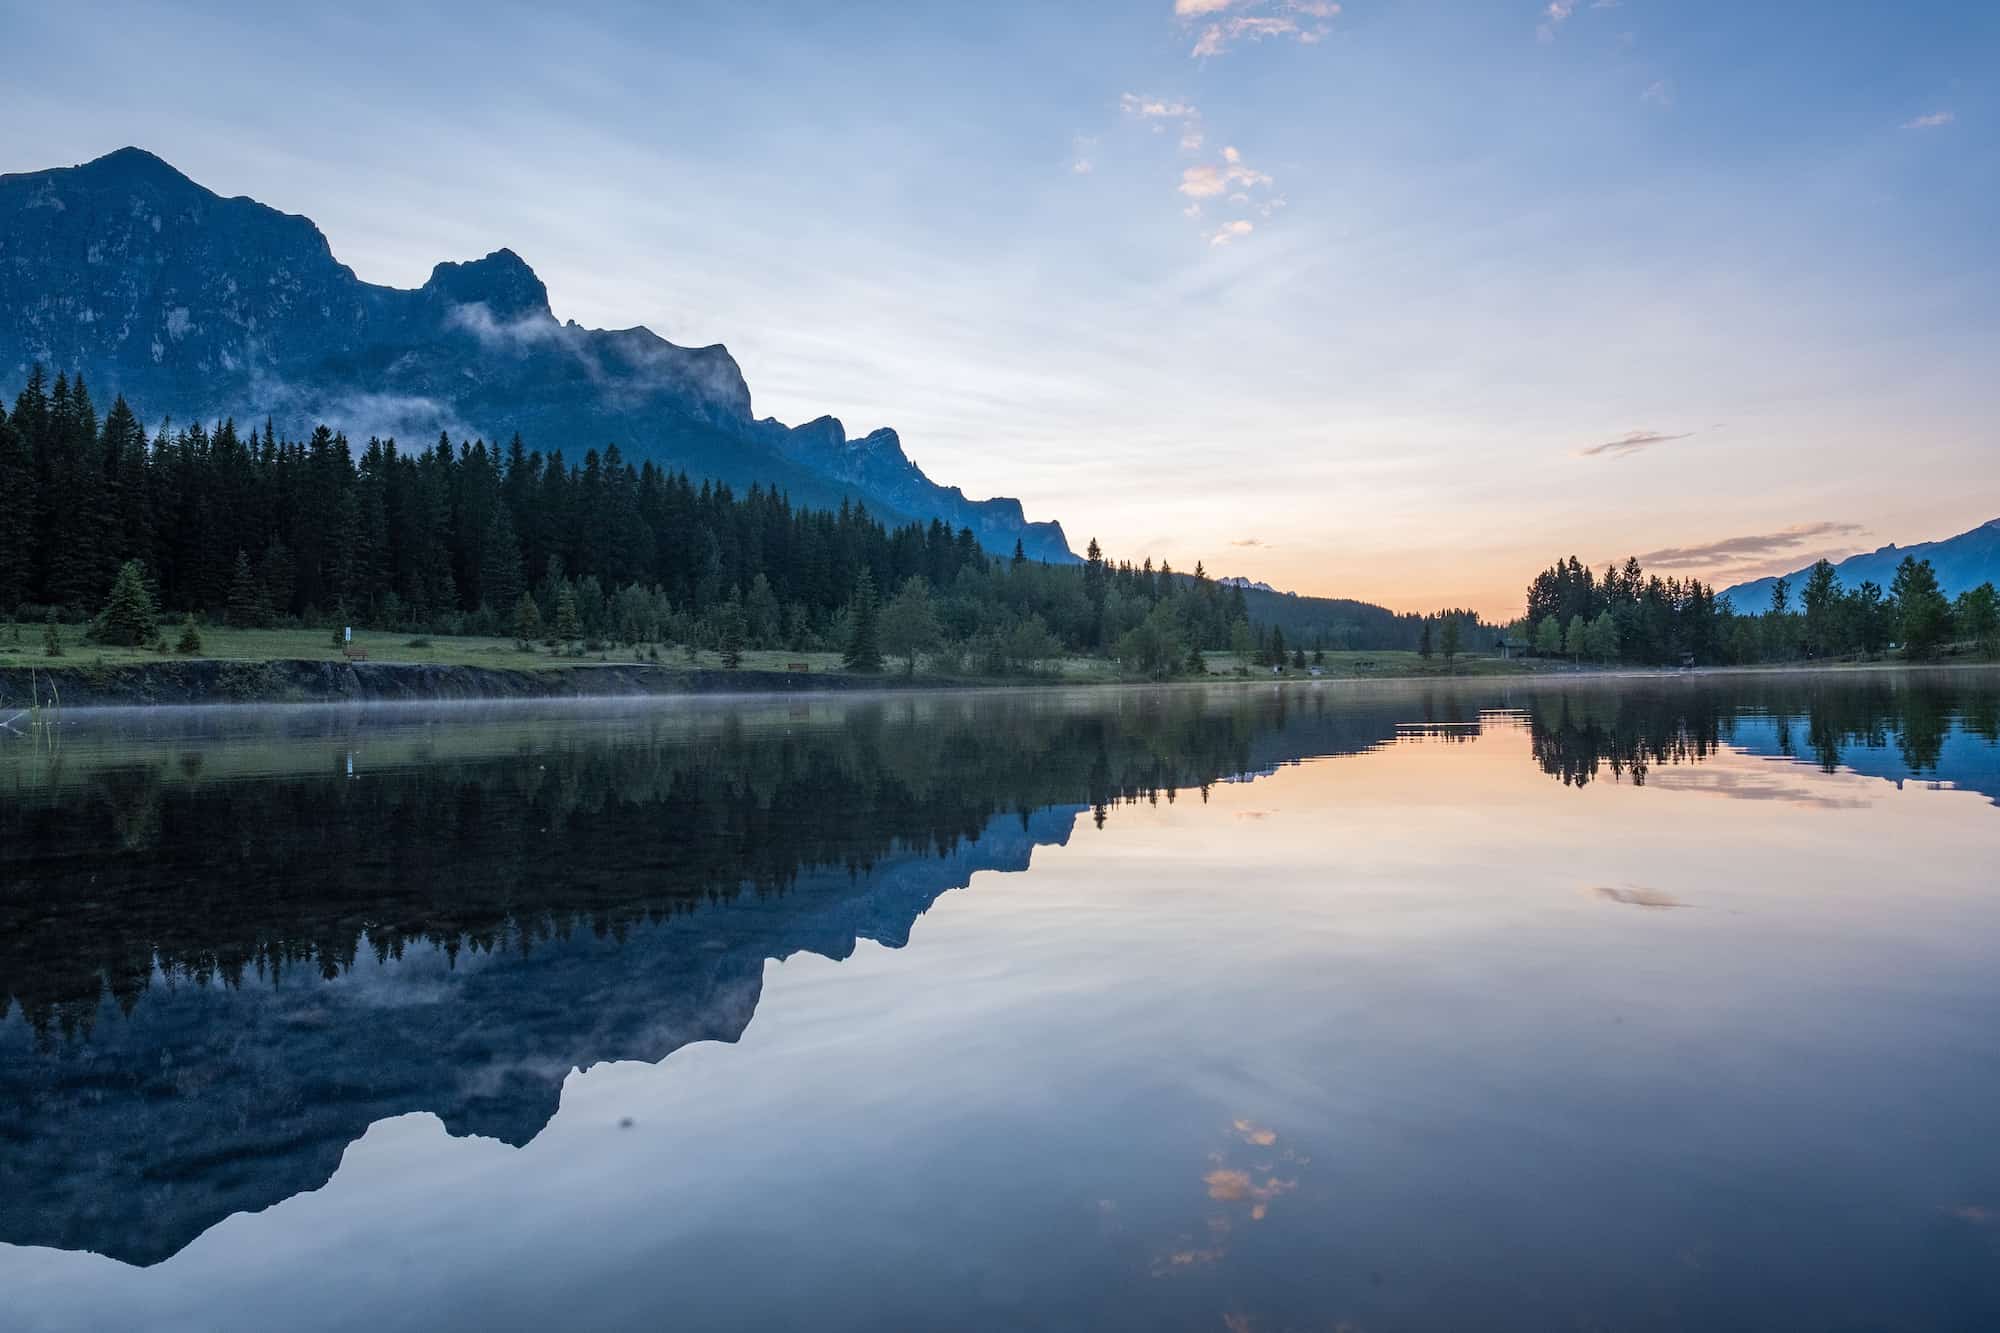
[1631, 442]
[1083, 155]
[1554, 16]
[1304, 21]
[1558, 12]
[1159, 110]
[1756, 547]
[1659, 93]
[1933, 121]
[1230, 231]
[1207, 180]
[1156, 108]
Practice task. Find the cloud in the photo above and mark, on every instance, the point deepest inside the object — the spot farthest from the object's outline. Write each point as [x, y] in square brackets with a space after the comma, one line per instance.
[1733, 785]
[1637, 897]
[1558, 12]
[1631, 442]
[1161, 109]
[1759, 546]
[1659, 93]
[1156, 108]
[1230, 231]
[1219, 36]
[476, 318]
[1934, 120]
[1081, 161]
[1248, 541]
[1207, 180]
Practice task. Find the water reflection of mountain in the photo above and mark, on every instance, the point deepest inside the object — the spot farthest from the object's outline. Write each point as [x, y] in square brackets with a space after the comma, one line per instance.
[230, 957]
[1933, 728]
[227, 947]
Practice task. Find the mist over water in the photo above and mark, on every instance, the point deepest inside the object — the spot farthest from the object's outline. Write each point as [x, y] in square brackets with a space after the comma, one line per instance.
[1648, 1003]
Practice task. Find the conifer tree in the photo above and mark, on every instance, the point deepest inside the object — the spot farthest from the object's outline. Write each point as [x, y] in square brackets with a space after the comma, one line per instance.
[246, 598]
[17, 517]
[500, 577]
[527, 619]
[190, 640]
[568, 625]
[1424, 641]
[729, 627]
[129, 617]
[1449, 641]
[862, 652]
[52, 644]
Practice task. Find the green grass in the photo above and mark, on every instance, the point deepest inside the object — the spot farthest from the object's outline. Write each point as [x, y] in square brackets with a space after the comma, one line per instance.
[21, 646]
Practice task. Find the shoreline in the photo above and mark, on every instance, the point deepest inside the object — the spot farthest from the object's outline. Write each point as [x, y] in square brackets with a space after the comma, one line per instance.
[219, 682]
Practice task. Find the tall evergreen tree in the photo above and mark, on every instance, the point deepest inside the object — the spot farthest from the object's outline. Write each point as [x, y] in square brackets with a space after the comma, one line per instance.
[569, 624]
[17, 518]
[129, 617]
[729, 632]
[863, 651]
[247, 603]
[500, 578]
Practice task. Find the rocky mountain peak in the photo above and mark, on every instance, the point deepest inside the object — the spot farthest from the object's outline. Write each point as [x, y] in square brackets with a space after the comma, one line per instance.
[502, 282]
[199, 306]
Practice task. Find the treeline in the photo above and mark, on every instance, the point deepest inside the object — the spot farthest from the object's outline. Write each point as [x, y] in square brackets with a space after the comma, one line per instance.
[1626, 616]
[471, 538]
[1338, 623]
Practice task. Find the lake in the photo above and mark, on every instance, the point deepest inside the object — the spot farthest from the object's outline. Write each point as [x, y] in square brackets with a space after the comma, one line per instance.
[1654, 1003]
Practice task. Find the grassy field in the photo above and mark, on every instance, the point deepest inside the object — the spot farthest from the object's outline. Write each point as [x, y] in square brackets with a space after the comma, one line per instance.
[21, 646]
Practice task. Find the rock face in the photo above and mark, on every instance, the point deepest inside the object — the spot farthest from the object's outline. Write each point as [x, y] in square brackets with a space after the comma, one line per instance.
[126, 271]
[1961, 562]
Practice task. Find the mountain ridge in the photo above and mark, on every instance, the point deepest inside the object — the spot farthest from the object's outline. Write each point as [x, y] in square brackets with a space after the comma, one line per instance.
[153, 286]
[1961, 562]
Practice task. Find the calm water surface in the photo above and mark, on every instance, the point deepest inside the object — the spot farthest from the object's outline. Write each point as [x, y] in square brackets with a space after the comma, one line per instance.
[1653, 1004]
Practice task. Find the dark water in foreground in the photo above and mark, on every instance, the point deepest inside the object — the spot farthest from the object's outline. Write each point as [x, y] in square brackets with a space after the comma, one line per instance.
[1642, 1005]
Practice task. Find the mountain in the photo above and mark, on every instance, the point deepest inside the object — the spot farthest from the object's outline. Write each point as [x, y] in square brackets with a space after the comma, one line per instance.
[1961, 562]
[149, 285]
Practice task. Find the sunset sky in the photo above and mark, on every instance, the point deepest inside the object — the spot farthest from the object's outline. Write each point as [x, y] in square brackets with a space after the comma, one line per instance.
[1392, 300]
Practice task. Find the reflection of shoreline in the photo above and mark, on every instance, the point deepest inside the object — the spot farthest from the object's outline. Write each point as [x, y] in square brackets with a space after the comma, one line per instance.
[1921, 728]
[188, 942]
[535, 901]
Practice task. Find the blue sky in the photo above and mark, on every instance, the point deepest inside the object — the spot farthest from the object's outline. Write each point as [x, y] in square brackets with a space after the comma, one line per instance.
[1339, 296]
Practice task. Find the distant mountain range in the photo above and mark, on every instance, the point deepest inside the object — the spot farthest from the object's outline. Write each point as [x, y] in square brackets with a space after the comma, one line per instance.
[1961, 562]
[149, 285]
